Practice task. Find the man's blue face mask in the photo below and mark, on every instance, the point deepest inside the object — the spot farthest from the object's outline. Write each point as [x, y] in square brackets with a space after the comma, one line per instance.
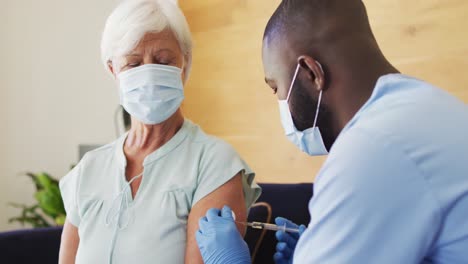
[310, 140]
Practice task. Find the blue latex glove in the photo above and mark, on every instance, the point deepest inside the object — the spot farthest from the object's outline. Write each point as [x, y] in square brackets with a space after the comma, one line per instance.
[286, 241]
[219, 240]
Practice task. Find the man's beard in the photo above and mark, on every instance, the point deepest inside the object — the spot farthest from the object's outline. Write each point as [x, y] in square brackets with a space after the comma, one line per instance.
[303, 109]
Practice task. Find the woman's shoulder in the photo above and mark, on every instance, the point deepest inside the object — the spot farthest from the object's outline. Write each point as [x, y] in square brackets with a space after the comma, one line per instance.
[98, 154]
[95, 158]
[101, 151]
[197, 136]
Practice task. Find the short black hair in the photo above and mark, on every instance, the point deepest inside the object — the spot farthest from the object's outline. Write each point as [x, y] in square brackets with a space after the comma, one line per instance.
[305, 18]
[282, 17]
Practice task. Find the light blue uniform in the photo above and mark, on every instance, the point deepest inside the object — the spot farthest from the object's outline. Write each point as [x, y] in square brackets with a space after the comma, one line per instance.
[394, 188]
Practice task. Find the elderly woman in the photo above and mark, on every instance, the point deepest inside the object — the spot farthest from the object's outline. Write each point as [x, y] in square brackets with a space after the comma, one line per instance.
[139, 199]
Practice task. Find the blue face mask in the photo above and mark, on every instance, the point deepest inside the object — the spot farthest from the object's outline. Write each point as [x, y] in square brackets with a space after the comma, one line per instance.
[152, 92]
[310, 140]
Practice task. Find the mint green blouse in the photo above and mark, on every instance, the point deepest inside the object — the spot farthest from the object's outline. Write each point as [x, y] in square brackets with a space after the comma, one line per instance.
[115, 228]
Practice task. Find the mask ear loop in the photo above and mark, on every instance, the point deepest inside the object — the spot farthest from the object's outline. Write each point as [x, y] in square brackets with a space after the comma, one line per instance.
[317, 110]
[319, 99]
[292, 82]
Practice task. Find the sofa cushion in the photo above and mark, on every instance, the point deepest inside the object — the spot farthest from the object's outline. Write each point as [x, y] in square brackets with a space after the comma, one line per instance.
[27, 246]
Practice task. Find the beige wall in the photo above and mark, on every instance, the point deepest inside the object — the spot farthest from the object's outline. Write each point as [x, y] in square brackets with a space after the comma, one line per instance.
[228, 97]
[55, 94]
[54, 91]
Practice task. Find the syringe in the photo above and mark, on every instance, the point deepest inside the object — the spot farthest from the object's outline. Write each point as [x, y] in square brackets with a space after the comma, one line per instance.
[266, 226]
[272, 227]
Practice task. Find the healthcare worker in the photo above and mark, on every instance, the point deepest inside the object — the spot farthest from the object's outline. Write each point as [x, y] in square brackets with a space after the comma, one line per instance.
[394, 188]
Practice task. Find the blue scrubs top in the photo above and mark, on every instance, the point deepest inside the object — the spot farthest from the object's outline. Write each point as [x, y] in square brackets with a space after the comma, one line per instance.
[394, 188]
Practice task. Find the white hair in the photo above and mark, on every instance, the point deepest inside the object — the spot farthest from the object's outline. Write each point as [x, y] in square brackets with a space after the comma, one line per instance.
[132, 19]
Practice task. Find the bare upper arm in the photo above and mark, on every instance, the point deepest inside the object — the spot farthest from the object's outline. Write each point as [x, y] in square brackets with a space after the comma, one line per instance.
[231, 194]
[69, 244]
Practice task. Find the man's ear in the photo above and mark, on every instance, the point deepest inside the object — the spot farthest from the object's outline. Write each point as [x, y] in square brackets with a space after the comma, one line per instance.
[314, 71]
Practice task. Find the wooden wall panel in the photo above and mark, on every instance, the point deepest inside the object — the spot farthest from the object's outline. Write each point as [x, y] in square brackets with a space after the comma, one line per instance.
[227, 96]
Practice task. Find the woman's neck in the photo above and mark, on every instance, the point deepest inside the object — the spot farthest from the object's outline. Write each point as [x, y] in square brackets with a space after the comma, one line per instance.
[144, 139]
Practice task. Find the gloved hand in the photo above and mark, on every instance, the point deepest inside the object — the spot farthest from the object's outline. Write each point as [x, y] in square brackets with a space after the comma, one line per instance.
[219, 240]
[286, 241]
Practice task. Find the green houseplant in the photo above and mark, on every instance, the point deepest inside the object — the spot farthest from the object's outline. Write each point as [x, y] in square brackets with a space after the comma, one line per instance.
[48, 210]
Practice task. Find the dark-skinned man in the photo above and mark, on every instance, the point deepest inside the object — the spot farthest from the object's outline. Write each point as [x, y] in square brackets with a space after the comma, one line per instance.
[394, 188]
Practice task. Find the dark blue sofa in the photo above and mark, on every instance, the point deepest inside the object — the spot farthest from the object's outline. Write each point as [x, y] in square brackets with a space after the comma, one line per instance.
[41, 246]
